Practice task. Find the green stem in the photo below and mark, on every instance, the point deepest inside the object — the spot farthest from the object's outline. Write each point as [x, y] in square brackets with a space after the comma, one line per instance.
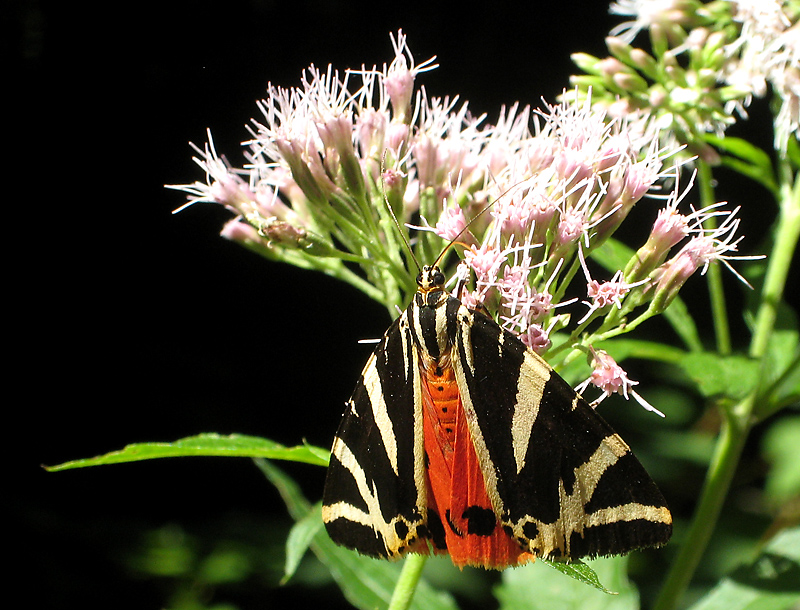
[723, 466]
[780, 259]
[428, 204]
[787, 235]
[407, 583]
[714, 276]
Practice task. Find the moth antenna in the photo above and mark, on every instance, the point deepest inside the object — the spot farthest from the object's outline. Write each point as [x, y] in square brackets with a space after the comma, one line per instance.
[394, 218]
[473, 219]
[453, 241]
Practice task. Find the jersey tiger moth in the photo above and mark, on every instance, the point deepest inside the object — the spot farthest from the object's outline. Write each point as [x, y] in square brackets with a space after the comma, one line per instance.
[459, 439]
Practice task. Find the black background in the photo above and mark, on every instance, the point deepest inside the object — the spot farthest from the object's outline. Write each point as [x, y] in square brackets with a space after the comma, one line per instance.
[131, 324]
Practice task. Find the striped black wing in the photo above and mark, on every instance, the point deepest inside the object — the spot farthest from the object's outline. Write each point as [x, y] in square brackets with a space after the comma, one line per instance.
[562, 482]
[374, 498]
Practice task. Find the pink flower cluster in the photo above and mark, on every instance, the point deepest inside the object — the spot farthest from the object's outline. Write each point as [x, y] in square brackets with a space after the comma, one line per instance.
[326, 160]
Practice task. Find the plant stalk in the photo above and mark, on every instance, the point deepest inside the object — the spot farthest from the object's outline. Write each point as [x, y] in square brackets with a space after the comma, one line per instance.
[787, 234]
[407, 583]
[723, 466]
[716, 291]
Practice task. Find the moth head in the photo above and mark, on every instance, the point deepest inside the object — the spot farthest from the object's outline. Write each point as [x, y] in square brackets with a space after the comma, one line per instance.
[430, 278]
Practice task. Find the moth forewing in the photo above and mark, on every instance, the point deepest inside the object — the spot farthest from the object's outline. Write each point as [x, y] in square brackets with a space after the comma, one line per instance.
[375, 460]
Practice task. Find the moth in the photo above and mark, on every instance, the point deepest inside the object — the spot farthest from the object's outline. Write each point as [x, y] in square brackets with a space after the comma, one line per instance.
[459, 439]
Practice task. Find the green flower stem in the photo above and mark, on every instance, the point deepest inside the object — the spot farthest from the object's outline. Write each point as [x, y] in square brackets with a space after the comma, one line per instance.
[714, 276]
[566, 278]
[621, 329]
[424, 248]
[407, 583]
[786, 238]
[723, 466]
[343, 273]
[787, 235]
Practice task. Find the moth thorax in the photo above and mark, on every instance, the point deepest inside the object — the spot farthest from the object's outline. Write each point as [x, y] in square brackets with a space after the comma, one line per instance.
[431, 299]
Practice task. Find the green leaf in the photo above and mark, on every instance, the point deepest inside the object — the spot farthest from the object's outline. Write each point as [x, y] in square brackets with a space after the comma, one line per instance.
[749, 160]
[300, 537]
[613, 255]
[770, 582]
[620, 349]
[731, 376]
[366, 583]
[678, 316]
[779, 447]
[743, 149]
[784, 345]
[534, 588]
[784, 365]
[209, 444]
[694, 447]
[787, 390]
[793, 152]
[580, 572]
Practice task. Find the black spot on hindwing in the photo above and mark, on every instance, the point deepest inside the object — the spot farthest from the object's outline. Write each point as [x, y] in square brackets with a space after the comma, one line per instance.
[436, 530]
[480, 521]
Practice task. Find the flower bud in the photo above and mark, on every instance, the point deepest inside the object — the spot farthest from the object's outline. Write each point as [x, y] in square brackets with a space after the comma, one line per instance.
[644, 61]
[671, 277]
[399, 84]
[587, 63]
[630, 82]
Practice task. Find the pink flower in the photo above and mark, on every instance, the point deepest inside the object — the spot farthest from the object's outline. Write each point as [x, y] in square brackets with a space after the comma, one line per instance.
[604, 294]
[451, 223]
[525, 303]
[485, 261]
[329, 156]
[669, 228]
[392, 178]
[571, 226]
[611, 378]
[536, 338]
[240, 231]
[639, 178]
[647, 13]
[371, 126]
[472, 300]
[514, 215]
[221, 185]
[707, 246]
[399, 78]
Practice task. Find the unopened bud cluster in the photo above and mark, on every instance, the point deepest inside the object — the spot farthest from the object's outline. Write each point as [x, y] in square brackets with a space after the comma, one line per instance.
[705, 63]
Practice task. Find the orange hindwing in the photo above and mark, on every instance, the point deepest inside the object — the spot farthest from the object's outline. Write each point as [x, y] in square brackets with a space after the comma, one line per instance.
[456, 488]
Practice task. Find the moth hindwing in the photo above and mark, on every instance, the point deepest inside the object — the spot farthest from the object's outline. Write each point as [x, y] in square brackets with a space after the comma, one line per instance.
[459, 439]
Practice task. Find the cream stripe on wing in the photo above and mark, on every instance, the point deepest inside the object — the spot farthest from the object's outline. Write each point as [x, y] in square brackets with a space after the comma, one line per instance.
[533, 376]
[463, 344]
[372, 383]
[373, 517]
[629, 512]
